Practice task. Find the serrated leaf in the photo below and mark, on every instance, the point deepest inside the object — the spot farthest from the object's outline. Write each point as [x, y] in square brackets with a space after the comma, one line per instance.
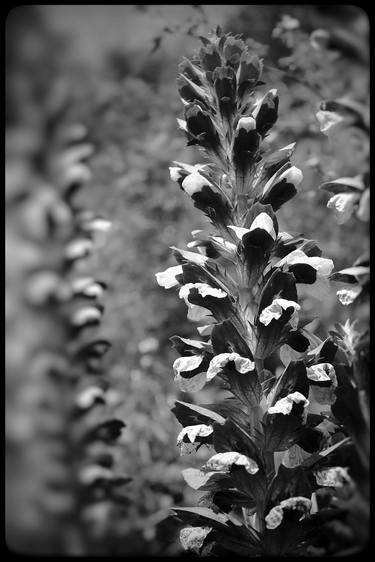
[287, 483]
[231, 437]
[226, 339]
[293, 379]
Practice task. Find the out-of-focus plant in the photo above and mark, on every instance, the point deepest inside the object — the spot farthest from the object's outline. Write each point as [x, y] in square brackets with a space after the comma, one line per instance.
[61, 426]
[280, 447]
[350, 196]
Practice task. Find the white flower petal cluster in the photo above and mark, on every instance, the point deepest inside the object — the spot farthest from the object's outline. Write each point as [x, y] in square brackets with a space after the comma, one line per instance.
[189, 363]
[276, 309]
[186, 364]
[322, 372]
[318, 395]
[262, 221]
[292, 175]
[323, 266]
[194, 431]
[224, 461]
[276, 515]
[217, 364]
[348, 296]
[181, 170]
[197, 312]
[192, 538]
[274, 518]
[335, 476]
[285, 405]
[167, 278]
[343, 204]
[196, 478]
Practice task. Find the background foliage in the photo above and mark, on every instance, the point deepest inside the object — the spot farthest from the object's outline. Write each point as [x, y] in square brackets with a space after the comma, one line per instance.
[127, 98]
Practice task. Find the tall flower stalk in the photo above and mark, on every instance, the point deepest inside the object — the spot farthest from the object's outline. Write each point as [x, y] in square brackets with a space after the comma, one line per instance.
[274, 440]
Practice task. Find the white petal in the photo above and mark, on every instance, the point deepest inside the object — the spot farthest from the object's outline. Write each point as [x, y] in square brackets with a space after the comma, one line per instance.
[243, 364]
[98, 224]
[247, 123]
[194, 431]
[335, 476]
[274, 517]
[88, 396]
[196, 478]
[323, 266]
[85, 315]
[348, 296]
[298, 502]
[182, 124]
[167, 278]
[343, 204]
[264, 222]
[321, 372]
[193, 183]
[91, 473]
[285, 405]
[175, 173]
[78, 248]
[192, 538]
[224, 461]
[275, 310]
[184, 364]
[327, 120]
[206, 290]
[292, 175]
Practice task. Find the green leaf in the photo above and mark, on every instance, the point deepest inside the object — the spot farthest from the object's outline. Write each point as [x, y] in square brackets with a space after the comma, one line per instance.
[287, 483]
[226, 339]
[230, 437]
[293, 379]
[192, 414]
[281, 432]
[201, 515]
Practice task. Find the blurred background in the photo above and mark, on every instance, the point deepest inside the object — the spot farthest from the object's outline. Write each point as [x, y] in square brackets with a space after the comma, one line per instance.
[113, 70]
